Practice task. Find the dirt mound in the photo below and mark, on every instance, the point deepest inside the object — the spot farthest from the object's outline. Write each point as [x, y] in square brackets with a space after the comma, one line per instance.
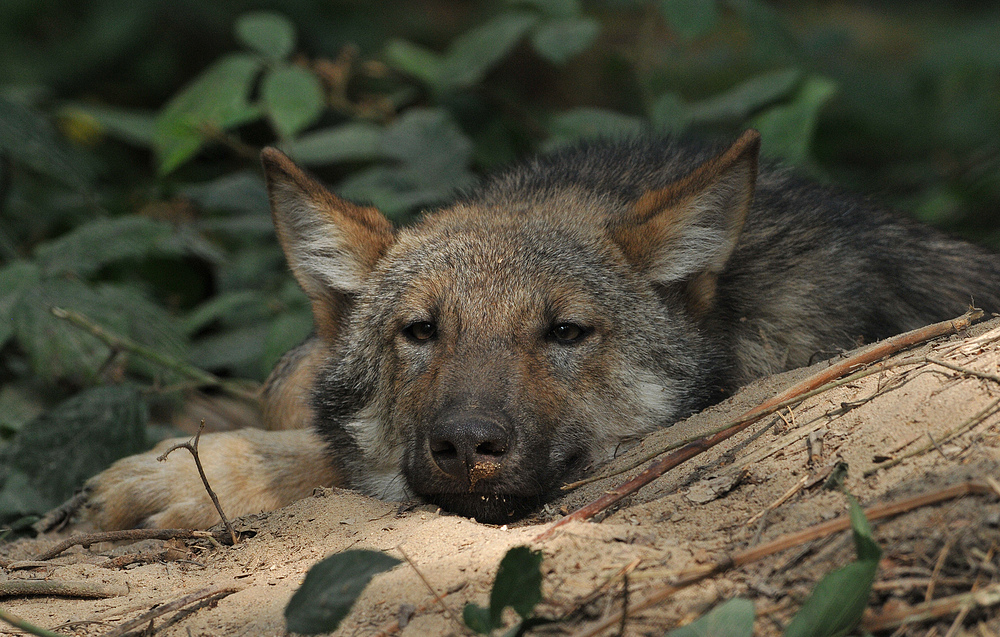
[756, 487]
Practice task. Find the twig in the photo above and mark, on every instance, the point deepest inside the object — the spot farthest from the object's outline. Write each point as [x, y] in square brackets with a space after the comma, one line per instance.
[938, 565]
[788, 541]
[437, 596]
[148, 616]
[964, 370]
[68, 588]
[798, 486]
[624, 613]
[192, 446]
[22, 564]
[959, 620]
[27, 626]
[134, 535]
[934, 609]
[876, 369]
[952, 433]
[794, 393]
[241, 149]
[123, 343]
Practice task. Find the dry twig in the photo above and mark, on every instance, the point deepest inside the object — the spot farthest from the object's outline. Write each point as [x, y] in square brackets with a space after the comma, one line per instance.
[65, 588]
[192, 446]
[934, 609]
[134, 535]
[119, 343]
[788, 541]
[437, 596]
[163, 609]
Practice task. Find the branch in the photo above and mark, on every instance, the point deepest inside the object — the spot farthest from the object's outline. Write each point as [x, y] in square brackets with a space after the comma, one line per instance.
[134, 535]
[163, 609]
[192, 446]
[788, 541]
[118, 342]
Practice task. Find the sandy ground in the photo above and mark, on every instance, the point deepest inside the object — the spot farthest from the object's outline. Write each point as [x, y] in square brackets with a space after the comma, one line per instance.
[681, 521]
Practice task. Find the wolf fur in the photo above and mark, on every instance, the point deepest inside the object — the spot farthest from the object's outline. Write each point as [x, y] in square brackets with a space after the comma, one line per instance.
[510, 342]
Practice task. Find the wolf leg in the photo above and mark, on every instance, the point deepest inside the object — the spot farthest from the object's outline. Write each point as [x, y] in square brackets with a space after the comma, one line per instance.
[250, 471]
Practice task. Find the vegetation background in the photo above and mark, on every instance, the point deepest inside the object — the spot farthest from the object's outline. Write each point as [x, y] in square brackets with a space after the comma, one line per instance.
[138, 267]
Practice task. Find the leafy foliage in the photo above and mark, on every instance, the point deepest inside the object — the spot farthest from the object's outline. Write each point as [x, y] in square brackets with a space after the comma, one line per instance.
[733, 618]
[330, 589]
[839, 599]
[51, 457]
[518, 584]
[832, 610]
[130, 192]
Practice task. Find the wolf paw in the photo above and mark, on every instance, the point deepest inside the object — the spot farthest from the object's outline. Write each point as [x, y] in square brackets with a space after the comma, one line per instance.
[249, 470]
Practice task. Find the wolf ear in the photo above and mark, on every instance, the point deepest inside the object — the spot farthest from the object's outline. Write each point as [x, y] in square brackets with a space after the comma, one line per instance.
[331, 244]
[685, 233]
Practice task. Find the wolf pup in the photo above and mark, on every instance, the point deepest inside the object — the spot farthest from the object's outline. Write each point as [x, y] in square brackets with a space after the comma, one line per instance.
[508, 343]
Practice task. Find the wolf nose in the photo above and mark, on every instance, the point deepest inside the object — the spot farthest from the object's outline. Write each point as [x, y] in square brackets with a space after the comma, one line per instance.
[469, 447]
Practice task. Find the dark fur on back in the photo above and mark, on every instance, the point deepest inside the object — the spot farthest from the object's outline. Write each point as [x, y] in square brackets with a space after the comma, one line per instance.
[816, 269]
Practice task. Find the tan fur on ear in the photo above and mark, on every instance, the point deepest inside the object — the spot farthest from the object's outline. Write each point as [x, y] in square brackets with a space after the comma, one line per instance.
[686, 231]
[331, 244]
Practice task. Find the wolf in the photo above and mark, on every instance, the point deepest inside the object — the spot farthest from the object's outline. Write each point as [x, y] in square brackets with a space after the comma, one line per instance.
[509, 342]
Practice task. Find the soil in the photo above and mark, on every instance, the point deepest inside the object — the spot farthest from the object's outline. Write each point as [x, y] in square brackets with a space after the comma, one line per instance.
[758, 486]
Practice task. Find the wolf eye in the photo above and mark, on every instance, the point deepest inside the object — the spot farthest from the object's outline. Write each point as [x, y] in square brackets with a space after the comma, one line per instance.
[420, 330]
[568, 333]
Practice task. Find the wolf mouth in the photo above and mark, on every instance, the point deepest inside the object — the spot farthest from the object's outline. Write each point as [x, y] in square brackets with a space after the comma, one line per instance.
[489, 508]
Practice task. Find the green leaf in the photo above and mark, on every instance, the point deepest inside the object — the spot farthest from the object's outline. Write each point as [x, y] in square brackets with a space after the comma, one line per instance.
[284, 333]
[216, 99]
[582, 123]
[552, 8]
[786, 131]
[57, 349]
[330, 588]
[95, 244]
[270, 34]
[134, 127]
[429, 137]
[28, 138]
[840, 598]
[837, 602]
[771, 37]
[239, 350]
[670, 114]
[293, 98]
[560, 40]
[19, 404]
[220, 306]
[475, 52]
[518, 583]
[742, 100]
[242, 191]
[730, 619]
[864, 540]
[415, 60]
[15, 280]
[478, 619]
[691, 19]
[354, 141]
[59, 450]
[434, 158]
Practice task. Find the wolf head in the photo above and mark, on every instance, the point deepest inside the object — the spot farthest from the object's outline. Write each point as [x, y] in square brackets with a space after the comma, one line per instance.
[506, 344]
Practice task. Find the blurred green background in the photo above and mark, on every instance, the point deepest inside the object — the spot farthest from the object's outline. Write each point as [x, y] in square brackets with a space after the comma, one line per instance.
[131, 199]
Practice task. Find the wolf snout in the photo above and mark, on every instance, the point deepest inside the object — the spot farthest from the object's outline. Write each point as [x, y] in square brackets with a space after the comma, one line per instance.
[470, 447]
